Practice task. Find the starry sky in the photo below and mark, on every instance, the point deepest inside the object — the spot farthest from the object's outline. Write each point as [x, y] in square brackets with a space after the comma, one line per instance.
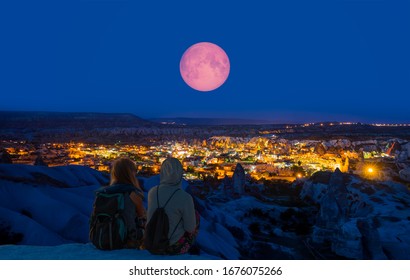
[291, 61]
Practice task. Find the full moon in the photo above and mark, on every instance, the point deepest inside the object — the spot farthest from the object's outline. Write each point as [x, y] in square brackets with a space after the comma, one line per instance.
[204, 66]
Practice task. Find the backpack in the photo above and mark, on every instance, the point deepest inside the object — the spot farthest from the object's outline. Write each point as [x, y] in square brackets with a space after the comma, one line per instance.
[156, 239]
[113, 220]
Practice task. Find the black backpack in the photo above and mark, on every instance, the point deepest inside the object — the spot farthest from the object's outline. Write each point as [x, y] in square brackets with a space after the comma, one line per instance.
[156, 239]
[113, 220]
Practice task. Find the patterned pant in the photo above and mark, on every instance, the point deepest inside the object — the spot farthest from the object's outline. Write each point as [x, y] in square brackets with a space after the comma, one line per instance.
[183, 244]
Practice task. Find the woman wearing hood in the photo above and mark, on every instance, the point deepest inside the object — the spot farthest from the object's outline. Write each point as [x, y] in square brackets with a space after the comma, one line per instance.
[179, 207]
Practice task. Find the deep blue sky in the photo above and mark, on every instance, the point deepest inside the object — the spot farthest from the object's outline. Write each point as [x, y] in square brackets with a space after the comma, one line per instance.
[295, 61]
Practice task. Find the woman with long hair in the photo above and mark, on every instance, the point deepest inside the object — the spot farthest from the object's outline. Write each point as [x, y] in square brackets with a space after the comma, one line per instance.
[118, 218]
[123, 173]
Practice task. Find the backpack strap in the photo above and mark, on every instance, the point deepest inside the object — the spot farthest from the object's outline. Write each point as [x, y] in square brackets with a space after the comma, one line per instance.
[166, 205]
[158, 197]
[167, 200]
[175, 228]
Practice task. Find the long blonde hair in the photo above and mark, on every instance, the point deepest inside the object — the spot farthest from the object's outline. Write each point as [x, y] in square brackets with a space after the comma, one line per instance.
[123, 171]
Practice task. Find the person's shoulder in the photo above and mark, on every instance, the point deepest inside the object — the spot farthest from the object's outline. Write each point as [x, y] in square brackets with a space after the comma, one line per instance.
[152, 190]
[122, 188]
[184, 194]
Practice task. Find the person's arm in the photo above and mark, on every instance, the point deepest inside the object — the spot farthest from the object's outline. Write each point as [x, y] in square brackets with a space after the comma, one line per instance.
[188, 216]
[137, 200]
[150, 205]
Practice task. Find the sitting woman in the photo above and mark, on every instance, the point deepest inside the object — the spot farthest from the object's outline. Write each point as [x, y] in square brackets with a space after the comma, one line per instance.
[119, 216]
[178, 205]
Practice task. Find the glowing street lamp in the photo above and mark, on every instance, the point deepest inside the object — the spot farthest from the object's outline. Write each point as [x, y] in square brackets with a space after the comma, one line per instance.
[370, 171]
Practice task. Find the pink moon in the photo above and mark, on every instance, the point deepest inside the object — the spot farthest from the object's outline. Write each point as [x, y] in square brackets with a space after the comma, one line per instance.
[204, 66]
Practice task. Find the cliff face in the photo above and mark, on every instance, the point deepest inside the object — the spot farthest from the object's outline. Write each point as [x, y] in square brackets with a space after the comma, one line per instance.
[359, 219]
[46, 206]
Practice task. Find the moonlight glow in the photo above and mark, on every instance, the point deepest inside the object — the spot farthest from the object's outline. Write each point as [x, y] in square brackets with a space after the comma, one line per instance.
[204, 66]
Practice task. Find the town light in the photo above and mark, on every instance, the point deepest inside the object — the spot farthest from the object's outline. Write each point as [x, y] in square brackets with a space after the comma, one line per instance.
[370, 171]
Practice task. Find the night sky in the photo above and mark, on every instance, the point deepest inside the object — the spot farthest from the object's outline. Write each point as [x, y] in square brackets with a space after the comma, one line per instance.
[291, 61]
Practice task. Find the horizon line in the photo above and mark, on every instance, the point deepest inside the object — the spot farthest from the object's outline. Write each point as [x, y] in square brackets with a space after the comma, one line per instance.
[265, 121]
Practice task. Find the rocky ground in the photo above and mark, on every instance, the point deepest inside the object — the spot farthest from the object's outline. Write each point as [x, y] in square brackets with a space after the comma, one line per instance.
[331, 215]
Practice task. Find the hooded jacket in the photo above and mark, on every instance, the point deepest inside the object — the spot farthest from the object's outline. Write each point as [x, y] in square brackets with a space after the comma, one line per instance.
[180, 209]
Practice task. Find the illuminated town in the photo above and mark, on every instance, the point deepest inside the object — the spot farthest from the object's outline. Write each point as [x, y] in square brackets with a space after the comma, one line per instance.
[291, 188]
[266, 157]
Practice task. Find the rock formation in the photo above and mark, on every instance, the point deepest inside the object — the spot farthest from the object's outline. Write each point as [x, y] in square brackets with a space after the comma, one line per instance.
[5, 157]
[359, 219]
[239, 180]
[39, 161]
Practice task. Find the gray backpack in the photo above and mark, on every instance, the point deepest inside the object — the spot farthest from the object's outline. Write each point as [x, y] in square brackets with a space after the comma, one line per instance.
[156, 239]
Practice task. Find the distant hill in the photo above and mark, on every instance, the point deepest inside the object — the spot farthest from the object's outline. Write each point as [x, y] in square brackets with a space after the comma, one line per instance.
[209, 121]
[39, 120]
[46, 127]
